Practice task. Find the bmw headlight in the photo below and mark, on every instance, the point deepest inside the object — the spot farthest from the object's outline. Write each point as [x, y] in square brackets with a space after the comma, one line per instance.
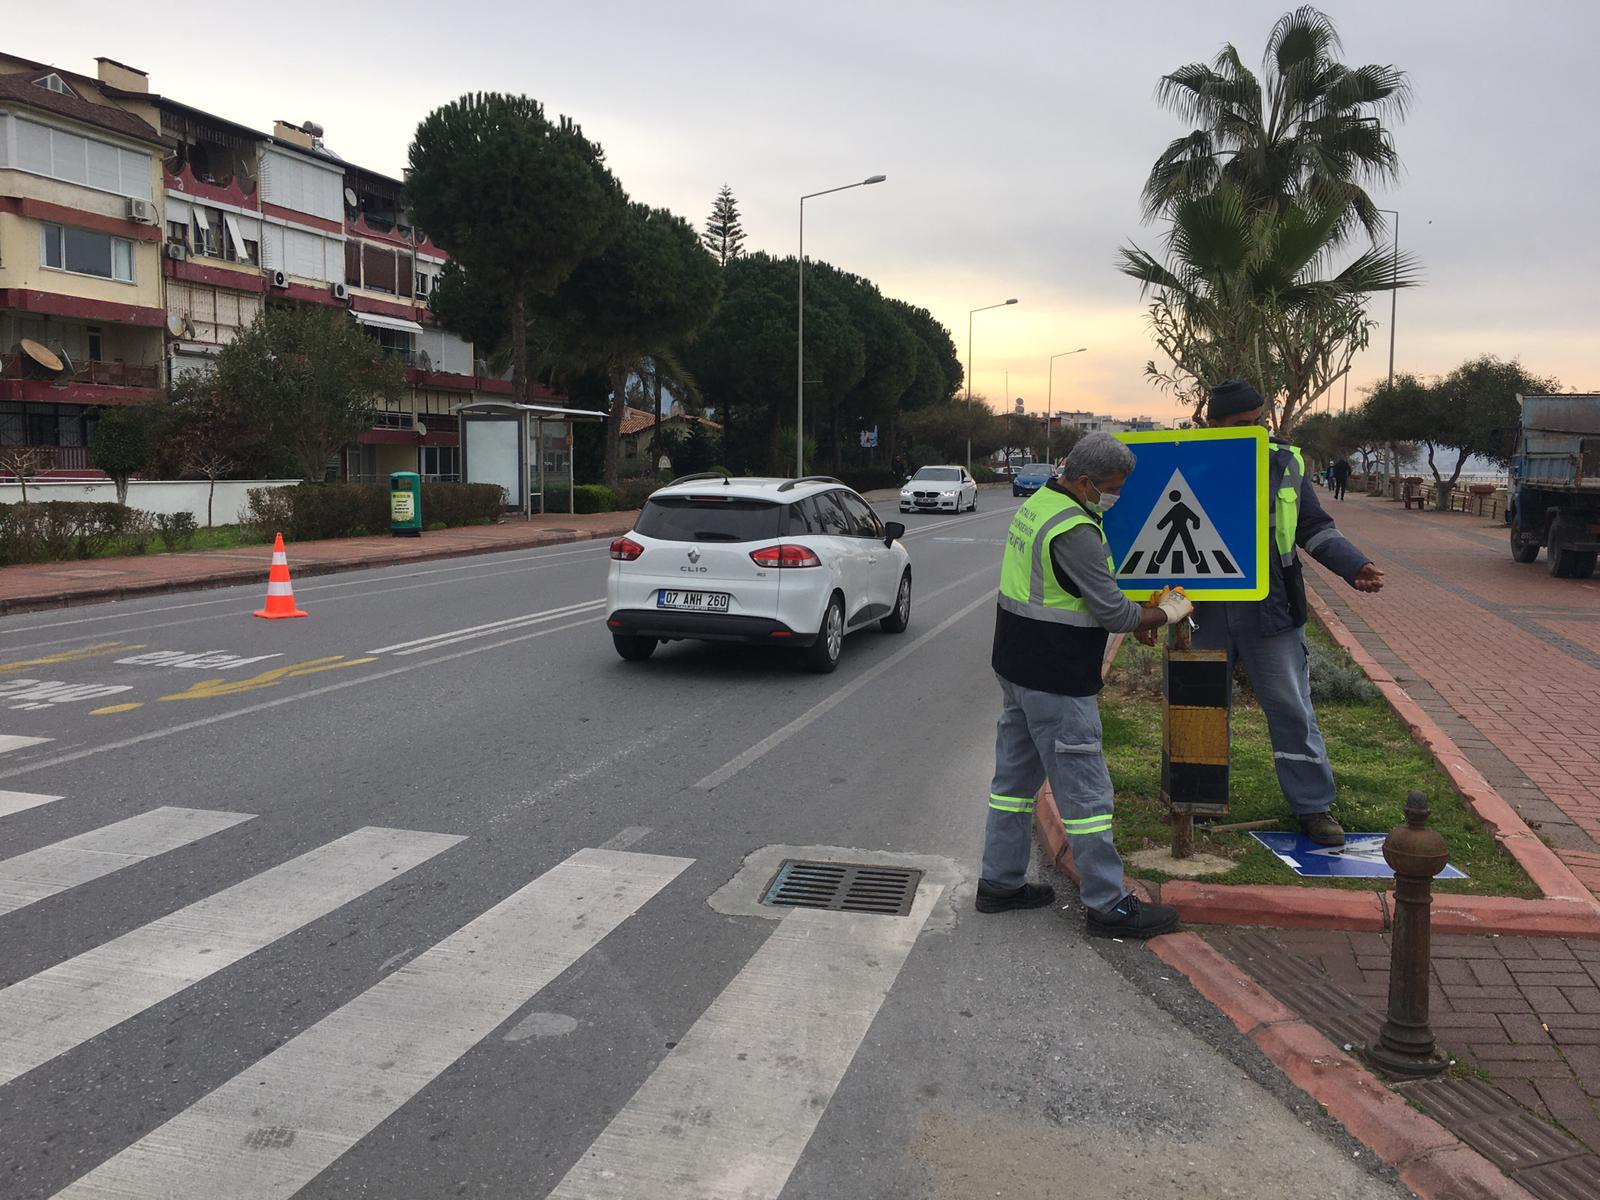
[947, 494]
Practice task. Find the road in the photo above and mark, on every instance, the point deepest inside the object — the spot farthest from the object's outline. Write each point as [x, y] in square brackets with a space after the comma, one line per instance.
[430, 895]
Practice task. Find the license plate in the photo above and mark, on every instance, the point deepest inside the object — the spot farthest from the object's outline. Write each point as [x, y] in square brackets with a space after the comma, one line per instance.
[693, 601]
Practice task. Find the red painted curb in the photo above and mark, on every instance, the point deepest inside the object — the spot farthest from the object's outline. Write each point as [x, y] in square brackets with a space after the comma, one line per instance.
[1553, 877]
[1431, 1160]
[1280, 906]
[1507, 914]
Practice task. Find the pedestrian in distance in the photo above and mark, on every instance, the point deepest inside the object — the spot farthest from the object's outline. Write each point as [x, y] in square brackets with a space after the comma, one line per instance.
[1058, 603]
[1268, 636]
[1341, 478]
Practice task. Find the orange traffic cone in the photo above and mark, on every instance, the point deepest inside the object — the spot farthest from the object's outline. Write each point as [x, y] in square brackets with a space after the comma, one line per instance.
[280, 592]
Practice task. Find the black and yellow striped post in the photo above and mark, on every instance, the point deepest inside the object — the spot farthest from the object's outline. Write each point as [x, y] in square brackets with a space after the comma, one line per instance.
[1194, 735]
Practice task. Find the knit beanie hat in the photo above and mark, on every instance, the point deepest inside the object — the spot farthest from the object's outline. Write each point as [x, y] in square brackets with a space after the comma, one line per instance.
[1234, 396]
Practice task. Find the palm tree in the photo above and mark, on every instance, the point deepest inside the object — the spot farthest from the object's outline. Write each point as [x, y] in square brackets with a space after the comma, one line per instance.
[1309, 131]
[1253, 293]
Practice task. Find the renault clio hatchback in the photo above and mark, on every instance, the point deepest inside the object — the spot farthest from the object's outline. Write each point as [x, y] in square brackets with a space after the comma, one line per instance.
[778, 562]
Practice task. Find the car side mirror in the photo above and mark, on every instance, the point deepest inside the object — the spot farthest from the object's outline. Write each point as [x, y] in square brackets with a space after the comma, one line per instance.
[893, 531]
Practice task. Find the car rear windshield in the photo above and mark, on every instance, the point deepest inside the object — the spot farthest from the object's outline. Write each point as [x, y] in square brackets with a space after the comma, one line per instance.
[938, 473]
[710, 519]
[1037, 472]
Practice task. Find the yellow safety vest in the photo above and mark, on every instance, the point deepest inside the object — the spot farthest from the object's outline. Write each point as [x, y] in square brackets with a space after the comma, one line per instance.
[1028, 584]
[1285, 514]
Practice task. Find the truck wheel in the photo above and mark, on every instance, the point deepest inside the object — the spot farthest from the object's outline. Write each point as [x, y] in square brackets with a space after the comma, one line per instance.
[1571, 564]
[1524, 545]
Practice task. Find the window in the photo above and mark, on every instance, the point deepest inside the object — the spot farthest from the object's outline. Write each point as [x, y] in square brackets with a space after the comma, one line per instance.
[938, 474]
[863, 519]
[240, 248]
[378, 267]
[54, 83]
[709, 519]
[178, 232]
[207, 232]
[832, 519]
[85, 252]
[96, 345]
[441, 463]
[422, 285]
[74, 158]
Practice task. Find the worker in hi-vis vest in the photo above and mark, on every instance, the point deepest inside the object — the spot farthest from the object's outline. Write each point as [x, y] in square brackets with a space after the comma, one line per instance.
[1058, 601]
[1268, 636]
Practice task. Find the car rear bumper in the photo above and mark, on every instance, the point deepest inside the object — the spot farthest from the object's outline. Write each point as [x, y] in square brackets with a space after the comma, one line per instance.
[705, 627]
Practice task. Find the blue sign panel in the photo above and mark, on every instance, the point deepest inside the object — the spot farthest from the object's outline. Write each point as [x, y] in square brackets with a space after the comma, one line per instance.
[1193, 513]
[1361, 856]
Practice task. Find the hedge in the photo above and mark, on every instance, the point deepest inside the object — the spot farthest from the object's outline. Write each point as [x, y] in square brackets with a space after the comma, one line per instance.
[867, 479]
[309, 511]
[55, 530]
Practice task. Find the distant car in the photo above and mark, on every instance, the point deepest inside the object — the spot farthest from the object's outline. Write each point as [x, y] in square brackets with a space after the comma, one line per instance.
[777, 562]
[1031, 478]
[939, 489]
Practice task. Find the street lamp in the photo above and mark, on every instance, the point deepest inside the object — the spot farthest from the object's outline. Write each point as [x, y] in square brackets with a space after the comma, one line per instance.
[1050, 395]
[1394, 289]
[985, 308]
[800, 338]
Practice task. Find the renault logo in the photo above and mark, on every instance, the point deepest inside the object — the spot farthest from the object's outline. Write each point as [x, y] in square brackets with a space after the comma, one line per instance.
[694, 554]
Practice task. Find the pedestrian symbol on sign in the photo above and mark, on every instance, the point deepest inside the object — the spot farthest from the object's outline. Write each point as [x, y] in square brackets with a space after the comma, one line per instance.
[1178, 538]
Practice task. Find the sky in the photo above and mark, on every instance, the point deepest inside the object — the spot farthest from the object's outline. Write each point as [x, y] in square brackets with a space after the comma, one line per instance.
[1015, 136]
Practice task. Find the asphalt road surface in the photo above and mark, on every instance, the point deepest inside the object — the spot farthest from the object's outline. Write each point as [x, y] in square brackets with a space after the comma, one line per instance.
[432, 895]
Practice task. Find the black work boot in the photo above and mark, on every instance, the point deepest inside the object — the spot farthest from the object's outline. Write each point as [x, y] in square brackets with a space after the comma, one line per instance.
[1029, 895]
[1322, 829]
[1131, 917]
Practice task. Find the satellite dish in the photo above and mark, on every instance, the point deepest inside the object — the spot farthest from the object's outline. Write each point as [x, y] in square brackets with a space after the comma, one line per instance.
[175, 324]
[44, 357]
[66, 363]
[350, 197]
[422, 430]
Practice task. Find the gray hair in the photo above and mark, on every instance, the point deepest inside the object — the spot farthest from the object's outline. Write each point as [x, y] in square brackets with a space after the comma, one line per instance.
[1099, 456]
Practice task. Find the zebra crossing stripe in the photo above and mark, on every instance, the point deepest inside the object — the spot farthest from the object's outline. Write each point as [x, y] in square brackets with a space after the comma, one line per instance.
[15, 741]
[62, 866]
[15, 802]
[50, 1013]
[269, 1131]
[727, 1114]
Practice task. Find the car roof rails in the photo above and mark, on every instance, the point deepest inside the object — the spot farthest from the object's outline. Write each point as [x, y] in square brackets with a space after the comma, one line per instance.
[789, 485]
[701, 475]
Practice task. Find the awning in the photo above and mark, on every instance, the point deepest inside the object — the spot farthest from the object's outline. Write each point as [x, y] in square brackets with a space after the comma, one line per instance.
[535, 410]
[377, 320]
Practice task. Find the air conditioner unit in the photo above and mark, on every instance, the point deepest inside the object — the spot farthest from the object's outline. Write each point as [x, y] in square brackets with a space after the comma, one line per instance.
[177, 251]
[341, 292]
[280, 279]
[141, 212]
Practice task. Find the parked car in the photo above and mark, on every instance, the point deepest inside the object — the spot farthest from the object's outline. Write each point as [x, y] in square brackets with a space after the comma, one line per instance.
[1031, 478]
[936, 489]
[778, 562]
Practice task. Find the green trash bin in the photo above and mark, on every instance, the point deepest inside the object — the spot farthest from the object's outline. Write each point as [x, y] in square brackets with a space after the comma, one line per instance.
[405, 504]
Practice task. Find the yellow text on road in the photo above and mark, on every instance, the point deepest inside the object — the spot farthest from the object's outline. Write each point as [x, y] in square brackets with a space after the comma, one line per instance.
[99, 649]
[207, 689]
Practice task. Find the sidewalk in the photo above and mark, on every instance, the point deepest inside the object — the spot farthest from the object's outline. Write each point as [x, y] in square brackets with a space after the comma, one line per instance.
[1503, 657]
[32, 586]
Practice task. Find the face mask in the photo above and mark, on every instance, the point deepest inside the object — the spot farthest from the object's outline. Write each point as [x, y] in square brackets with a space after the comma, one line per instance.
[1104, 504]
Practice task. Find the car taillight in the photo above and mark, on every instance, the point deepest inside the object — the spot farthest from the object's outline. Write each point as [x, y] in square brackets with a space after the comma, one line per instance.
[626, 549]
[785, 555]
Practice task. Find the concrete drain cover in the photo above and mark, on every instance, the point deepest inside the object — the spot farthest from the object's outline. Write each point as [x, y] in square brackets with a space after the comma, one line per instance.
[844, 887]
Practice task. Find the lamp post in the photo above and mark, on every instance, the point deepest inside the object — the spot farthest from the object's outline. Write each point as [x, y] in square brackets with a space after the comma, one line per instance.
[985, 308]
[1050, 395]
[1394, 299]
[800, 334]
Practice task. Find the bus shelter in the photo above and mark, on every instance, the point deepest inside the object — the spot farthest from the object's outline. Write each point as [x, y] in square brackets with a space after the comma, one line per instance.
[525, 448]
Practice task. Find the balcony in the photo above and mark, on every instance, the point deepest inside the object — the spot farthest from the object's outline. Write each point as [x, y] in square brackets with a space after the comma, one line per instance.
[100, 374]
[89, 381]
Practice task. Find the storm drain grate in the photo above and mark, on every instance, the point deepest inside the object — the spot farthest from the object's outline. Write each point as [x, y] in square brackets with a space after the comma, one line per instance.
[846, 887]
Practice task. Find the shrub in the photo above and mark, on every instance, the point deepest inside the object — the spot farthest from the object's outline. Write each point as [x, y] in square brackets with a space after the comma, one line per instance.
[982, 474]
[867, 479]
[593, 498]
[462, 503]
[63, 529]
[309, 511]
[632, 493]
[1335, 679]
[176, 529]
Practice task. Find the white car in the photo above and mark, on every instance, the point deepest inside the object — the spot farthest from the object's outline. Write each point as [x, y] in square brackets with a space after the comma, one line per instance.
[779, 562]
[939, 489]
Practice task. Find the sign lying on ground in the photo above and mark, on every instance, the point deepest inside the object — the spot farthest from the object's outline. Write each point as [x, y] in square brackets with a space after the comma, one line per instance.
[1193, 513]
[1361, 856]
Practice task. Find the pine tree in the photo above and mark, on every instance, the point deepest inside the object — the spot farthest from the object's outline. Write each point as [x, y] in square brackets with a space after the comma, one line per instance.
[724, 236]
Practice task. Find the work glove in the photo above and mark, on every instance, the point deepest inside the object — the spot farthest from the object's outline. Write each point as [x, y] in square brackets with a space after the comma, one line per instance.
[1175, 604]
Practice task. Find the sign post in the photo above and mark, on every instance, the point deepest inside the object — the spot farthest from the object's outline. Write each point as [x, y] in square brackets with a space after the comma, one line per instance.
[1193, 514]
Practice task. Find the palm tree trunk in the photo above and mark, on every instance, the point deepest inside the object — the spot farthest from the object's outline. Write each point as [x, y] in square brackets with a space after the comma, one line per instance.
[619, 402]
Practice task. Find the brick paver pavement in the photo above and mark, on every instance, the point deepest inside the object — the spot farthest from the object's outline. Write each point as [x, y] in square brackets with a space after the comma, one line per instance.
[52, 584]
[1503, 656]
[1522, 1014]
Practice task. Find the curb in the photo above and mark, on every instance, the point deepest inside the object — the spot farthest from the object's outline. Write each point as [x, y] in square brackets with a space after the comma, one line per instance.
[252, 574]
[1431, 1160]
[1552, 876]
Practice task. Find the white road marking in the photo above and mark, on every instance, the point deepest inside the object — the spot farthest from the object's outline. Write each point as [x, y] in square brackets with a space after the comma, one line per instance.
[773, 740]
[727, 1114]
[205, 660]
[50, 1013]
[61, 866]
[624, 838]
[489, 629]
[15, 741]
[15, 802]
[270, 1130]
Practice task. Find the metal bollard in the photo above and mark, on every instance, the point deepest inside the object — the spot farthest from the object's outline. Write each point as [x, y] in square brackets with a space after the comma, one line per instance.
[1405, 1043]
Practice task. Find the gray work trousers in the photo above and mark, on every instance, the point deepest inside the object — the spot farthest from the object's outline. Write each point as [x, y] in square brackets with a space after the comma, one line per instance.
[1279, 668]
[1042, 736]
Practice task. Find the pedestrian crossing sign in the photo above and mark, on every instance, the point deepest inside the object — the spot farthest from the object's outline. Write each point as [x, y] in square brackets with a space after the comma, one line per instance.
[1193, 513]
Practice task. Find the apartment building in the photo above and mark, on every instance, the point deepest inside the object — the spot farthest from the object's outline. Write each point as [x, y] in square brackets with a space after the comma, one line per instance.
[82, 310]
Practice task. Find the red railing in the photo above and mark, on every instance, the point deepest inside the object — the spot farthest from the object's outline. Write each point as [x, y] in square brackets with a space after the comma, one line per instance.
[50, 458]
[102, 374]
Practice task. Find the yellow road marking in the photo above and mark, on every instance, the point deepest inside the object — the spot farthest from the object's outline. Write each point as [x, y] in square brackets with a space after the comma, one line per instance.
[98, 650]
[207, 689]
[115, 708]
